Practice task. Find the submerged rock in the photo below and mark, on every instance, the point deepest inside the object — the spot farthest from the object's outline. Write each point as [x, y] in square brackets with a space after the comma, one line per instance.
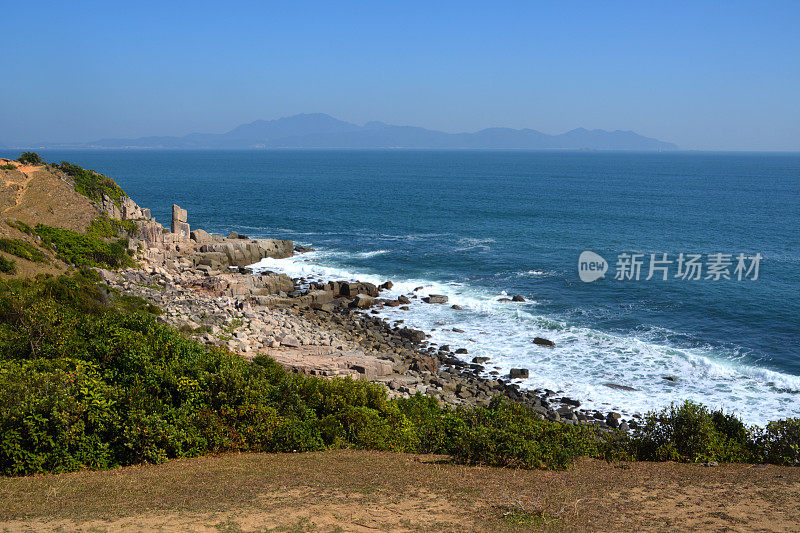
[541, 341]
[619, 387]
[435, 299]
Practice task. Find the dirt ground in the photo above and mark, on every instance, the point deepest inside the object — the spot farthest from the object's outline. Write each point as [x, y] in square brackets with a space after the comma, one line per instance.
[348, 490]
[33, 194]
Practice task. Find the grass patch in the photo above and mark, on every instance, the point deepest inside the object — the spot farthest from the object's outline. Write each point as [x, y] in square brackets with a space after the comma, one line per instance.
[7, 266]
[21, 226]
[519, 517]
[92, 184]
[23, 250]
[84, 250]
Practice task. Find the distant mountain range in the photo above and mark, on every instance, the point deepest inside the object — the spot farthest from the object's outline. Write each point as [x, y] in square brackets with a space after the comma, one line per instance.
[319, 130]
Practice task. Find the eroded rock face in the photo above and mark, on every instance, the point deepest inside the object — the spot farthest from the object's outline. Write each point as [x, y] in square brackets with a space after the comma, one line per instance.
[241, 253]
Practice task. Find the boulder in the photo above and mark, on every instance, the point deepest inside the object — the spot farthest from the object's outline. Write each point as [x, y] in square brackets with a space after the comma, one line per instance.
[480, 360]
[425, 363]
[517, 298]
[414, 335]
[613, 419]
[435, 299]
[456, 307]
[354, 288]
[541, 341]
[386, 285]
[403, 300]
[200, 236]
[362, 301]
[290, 341]
[518, 373]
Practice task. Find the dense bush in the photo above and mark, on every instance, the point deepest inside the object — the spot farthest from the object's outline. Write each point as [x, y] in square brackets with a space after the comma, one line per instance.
[23, 249]
[7, 266]
[85, 250]
[104, 227]
[30, 158]
[8, 167]
[92, 184]
[779, 442]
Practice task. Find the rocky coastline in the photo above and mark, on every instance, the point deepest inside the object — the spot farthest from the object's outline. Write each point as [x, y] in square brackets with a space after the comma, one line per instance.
[205, 289]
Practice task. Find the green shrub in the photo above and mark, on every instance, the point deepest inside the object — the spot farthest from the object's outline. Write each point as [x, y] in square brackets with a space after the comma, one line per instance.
[7, 266]
[23, 249]
[85, 250]
[104, 227]
[92, 184]
[689, 433]
[30, 158]
[779, 442]
[8, 167]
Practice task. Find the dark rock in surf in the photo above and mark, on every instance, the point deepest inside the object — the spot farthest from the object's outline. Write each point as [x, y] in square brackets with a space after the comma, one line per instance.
[518, 373]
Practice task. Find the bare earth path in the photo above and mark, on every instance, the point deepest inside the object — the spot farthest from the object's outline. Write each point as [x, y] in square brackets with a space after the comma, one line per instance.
[350, 490]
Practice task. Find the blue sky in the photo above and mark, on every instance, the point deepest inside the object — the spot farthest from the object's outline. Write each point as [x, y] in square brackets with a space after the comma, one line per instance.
[705, 75]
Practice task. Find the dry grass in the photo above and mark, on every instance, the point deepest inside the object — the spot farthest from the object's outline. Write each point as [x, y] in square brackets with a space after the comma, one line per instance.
[350, 490]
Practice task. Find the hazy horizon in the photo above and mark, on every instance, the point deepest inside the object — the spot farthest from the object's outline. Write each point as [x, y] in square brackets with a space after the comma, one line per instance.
[699, 75]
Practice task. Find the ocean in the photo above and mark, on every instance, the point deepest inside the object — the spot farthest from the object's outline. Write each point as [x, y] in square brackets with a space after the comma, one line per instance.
[479, 226]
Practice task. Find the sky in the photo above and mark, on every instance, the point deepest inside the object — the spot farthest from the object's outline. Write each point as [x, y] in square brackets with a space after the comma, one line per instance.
[704, 75]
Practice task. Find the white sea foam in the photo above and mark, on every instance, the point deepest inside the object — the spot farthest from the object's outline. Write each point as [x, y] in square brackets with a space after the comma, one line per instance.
[584, 359]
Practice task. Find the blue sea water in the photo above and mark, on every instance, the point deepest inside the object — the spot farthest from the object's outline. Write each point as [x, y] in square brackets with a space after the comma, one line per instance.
[479, 225]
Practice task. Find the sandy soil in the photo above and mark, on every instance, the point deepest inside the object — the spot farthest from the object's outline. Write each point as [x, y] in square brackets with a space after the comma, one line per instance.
[348, 490]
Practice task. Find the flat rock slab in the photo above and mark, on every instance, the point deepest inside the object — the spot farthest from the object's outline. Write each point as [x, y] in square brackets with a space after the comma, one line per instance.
[329, 361]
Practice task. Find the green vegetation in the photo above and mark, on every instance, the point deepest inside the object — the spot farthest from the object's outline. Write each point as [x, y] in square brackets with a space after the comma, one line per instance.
[7, 266]
[23, 249]
[30, 158]
[8, 167]
[90, 379]
[85, 250]
[88, 382]
[690, 432]
[104, 227]
[91, 184]
[21, 226]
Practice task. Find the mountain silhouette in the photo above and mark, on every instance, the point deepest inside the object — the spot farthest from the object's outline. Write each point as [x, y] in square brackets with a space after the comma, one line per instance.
[319, 130]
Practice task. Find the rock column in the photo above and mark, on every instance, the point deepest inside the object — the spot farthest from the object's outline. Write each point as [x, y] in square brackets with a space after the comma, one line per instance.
[179, 226]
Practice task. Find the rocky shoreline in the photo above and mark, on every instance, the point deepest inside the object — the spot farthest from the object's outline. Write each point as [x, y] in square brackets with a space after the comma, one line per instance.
[202, 284]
